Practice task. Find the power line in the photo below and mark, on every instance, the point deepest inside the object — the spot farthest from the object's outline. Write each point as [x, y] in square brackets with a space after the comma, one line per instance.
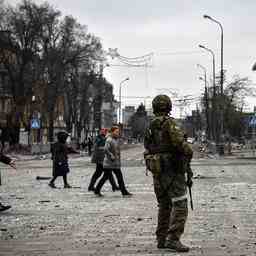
[178, 53]
[140, 58]
[137, 97]
[128, 66]
[144, 60]
[185, 100]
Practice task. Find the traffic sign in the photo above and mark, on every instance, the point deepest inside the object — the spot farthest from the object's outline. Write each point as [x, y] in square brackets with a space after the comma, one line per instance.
[252, 121]
[35, 123]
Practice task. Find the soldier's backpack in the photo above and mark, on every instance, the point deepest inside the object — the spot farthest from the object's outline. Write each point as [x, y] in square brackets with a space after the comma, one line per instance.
[153, 160]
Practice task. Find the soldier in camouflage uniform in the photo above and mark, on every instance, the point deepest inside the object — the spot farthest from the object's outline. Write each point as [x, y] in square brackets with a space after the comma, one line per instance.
[166, 157]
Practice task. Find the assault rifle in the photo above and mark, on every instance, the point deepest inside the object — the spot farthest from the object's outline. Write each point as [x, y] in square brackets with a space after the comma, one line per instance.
[191, 199]
[189, 184]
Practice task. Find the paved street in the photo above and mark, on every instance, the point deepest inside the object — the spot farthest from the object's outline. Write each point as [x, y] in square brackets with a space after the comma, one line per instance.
[73, 222]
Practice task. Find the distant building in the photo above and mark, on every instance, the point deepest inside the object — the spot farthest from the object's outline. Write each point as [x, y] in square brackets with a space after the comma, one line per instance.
[108, 106]
[115, 109]
[128, 112]
[108, 116]
[150, 113]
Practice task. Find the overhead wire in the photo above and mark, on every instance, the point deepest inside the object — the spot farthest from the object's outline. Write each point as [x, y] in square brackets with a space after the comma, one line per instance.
[145, 60]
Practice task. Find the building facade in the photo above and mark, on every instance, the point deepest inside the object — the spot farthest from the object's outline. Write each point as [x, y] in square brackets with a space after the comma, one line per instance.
[128, 112]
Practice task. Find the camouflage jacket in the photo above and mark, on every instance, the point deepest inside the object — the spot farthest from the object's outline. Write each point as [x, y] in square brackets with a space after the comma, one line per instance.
[163, 135]
[165, 141]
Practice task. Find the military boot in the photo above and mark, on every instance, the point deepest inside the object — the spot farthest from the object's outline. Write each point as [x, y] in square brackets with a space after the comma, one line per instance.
[176, 245]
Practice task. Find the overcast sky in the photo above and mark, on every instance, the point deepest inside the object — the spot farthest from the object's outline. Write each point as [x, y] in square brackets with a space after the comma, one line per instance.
[172, 30]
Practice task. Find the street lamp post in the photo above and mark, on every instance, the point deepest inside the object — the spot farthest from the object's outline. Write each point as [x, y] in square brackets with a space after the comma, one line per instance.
[214, 133]
[204, 69]
[213, 66]
[120, 98]
[208, 128]
[221, 146]
[208, 133]
[221, 51]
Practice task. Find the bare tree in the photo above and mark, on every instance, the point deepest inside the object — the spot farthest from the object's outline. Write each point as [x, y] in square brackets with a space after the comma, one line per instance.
[235, 94]
[40, 47]
[21, 28]
[139, 122]
[67, 51]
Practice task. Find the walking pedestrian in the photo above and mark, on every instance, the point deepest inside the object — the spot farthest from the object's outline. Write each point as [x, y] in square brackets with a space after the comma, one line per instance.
[60, 152]
[98, 157]
[6, 160]
[165, 152]
[4, 137]
[89, 145]
[112, 162]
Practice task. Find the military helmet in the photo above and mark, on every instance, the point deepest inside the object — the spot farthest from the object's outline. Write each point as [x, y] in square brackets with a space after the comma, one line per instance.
[161, 103]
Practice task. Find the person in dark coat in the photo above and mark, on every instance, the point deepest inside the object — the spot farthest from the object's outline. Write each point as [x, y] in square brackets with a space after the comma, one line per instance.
[89, 145]
[112, 162]
[60, 152]
[4, 137]
[6, 160]
[98, 157]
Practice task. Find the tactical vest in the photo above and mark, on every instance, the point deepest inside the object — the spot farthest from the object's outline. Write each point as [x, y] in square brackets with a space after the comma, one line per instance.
[156, 138]
[156, 144]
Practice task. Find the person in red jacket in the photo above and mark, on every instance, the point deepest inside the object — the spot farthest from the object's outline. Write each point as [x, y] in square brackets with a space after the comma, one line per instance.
[6, 160]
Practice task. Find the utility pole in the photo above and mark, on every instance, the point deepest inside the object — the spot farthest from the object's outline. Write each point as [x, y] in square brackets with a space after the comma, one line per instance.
[208, 134]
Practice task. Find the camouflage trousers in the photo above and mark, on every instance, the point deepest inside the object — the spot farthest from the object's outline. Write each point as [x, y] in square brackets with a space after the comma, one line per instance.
[172, 210]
